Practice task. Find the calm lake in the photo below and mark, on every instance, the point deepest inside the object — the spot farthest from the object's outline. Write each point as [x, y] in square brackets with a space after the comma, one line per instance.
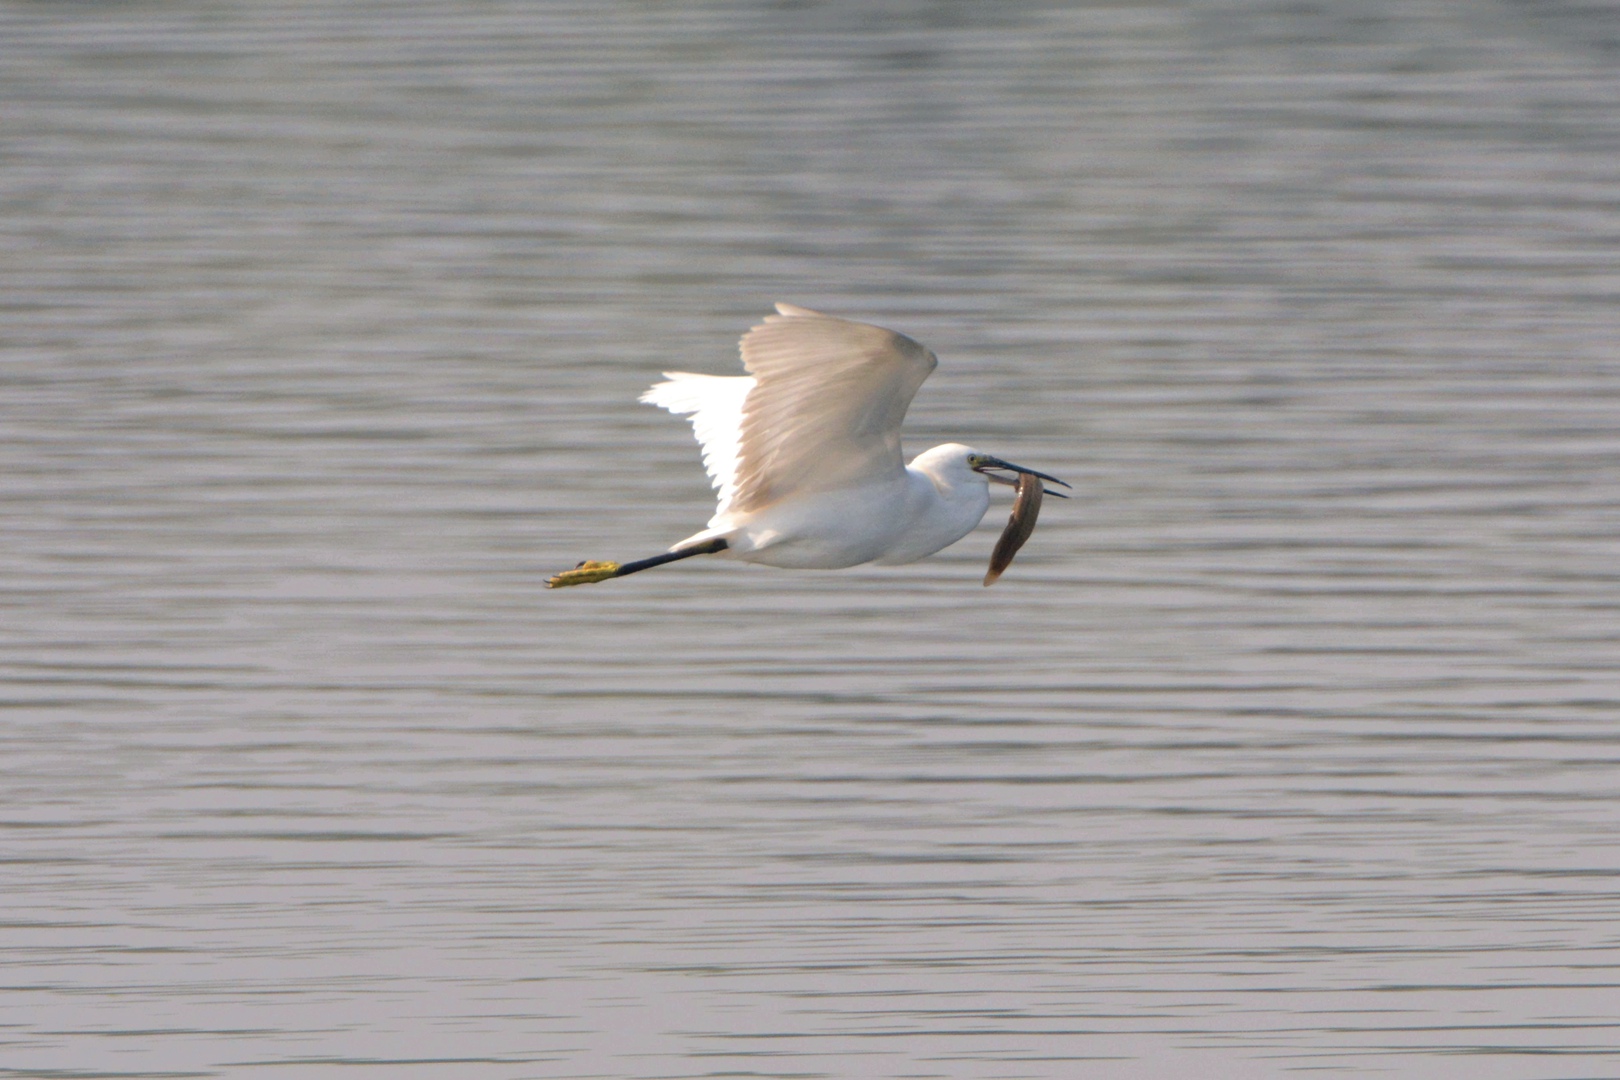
[1289, 746]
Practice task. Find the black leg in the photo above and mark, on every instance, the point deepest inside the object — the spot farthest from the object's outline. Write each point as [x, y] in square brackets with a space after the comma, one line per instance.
[670, 556]
[587, 572]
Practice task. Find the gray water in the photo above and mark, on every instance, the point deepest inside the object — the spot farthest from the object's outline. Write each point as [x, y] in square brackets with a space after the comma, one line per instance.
[1289, 746]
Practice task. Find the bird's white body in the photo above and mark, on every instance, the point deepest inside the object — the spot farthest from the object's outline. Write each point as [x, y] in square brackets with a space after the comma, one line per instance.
[890, 520]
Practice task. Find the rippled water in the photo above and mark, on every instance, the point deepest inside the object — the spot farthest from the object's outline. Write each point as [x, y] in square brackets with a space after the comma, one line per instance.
[1289, 745]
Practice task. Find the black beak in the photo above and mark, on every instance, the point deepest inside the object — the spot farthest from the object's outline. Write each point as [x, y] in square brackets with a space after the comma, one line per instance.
[989, 463]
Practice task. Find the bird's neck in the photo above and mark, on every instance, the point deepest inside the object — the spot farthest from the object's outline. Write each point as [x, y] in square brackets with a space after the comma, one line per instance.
[937, 513]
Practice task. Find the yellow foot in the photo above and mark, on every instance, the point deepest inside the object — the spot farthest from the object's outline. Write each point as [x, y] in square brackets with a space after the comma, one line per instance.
[583, 574]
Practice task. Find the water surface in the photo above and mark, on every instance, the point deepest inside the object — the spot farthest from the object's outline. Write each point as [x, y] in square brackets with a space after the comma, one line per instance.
[1288, 746]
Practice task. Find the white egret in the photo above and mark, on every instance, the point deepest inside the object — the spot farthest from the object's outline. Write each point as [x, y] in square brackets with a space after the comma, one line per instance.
[804, 452]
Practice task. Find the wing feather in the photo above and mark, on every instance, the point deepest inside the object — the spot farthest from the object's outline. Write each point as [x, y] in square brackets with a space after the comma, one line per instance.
[714, 404]
[825, 410]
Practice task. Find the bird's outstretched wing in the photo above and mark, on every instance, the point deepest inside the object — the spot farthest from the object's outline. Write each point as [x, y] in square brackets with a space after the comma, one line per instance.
[714, 404]
[825, 410]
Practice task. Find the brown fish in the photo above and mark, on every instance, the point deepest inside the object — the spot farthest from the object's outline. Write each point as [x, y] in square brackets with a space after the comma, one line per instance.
[1026, 508]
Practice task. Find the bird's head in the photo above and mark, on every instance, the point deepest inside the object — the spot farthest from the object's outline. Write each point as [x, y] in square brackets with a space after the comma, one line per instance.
[989, 466]
[954, 465]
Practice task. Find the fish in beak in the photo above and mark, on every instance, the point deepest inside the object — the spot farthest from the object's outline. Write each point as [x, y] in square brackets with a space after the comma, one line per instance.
[1026, 508]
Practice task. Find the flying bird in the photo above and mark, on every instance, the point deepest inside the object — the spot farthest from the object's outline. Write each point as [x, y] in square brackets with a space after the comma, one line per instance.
[804, 453]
